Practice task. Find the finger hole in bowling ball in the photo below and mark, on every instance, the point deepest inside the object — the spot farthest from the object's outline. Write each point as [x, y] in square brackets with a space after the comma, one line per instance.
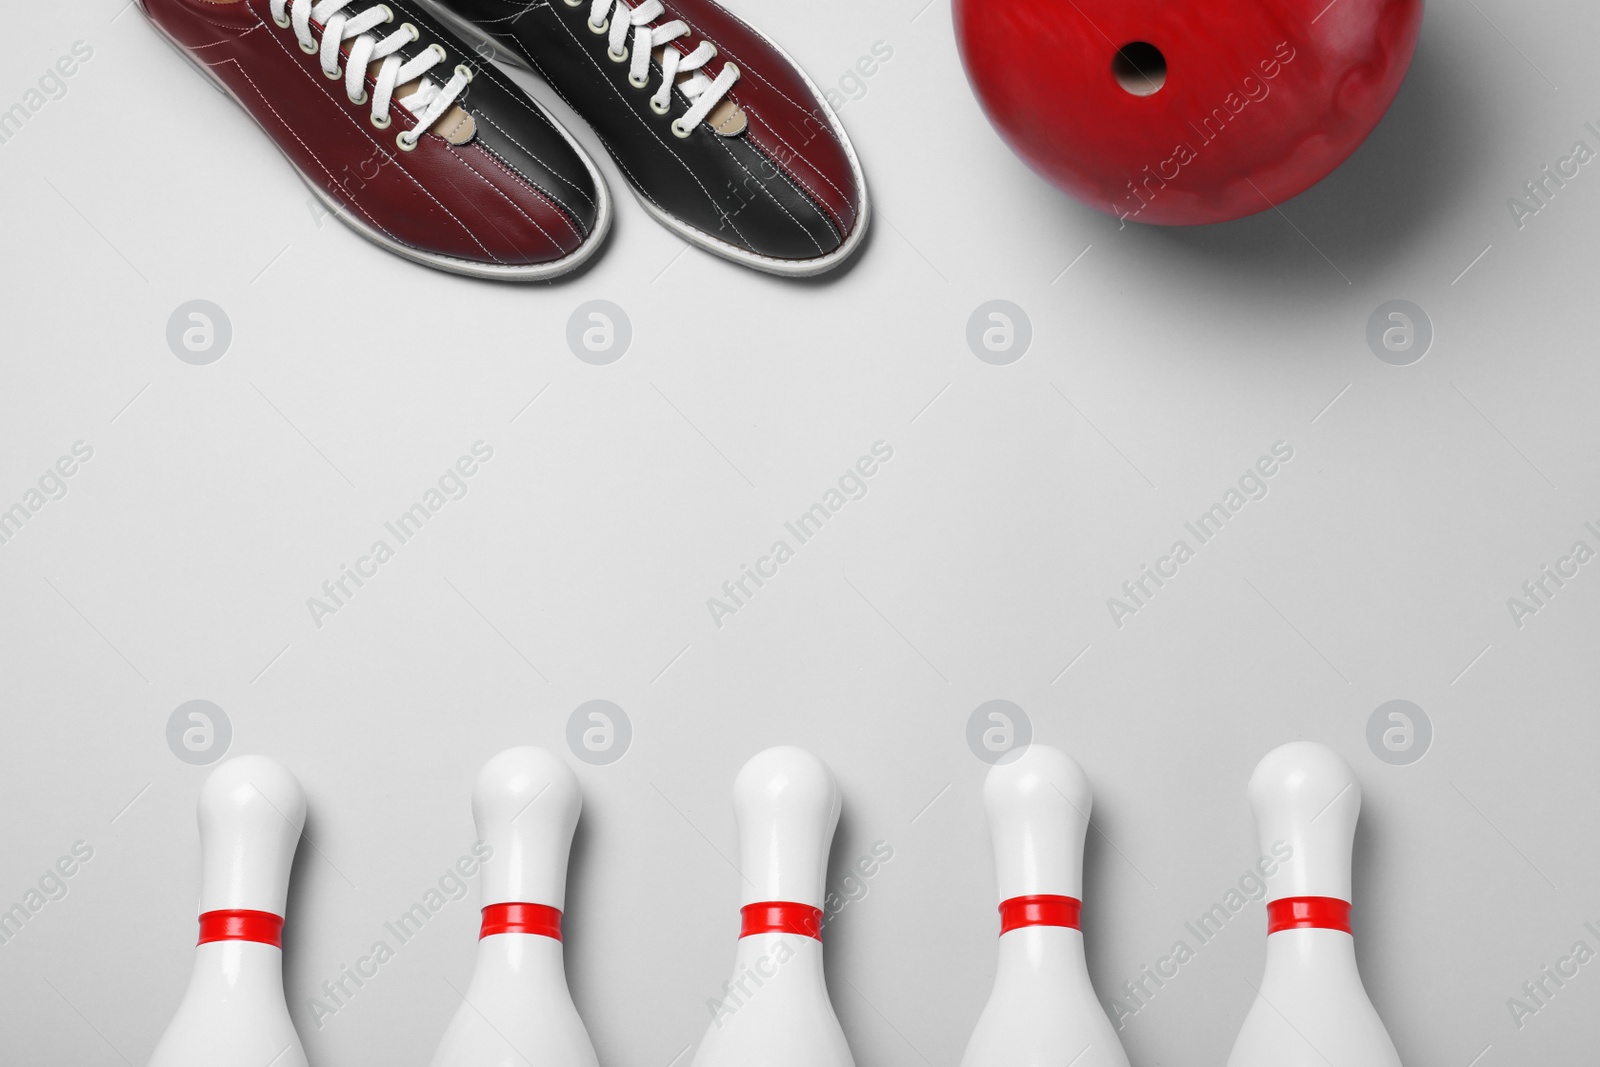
[1140, 68]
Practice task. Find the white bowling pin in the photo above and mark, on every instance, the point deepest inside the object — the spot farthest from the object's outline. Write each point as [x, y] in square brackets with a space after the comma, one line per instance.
[234, 1015]
[774, 1011]
[1311, 1009]
[518, 1011]
[1043, 1011]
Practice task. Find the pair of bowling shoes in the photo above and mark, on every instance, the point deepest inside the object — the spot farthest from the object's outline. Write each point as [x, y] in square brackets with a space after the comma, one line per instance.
[397, 117]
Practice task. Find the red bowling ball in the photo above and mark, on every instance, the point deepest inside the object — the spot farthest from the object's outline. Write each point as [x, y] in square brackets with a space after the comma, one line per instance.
[1178, 112]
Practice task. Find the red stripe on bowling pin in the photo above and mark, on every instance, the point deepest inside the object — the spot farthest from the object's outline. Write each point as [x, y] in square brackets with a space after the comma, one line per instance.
[780, 917]
[1308, 913]
[521, 919]
[1039, 909]
[241, 924]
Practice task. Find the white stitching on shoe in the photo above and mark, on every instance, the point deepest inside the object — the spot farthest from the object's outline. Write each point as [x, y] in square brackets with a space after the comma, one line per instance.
[778, 203]
[237, 37]
[498, 161]
[560, 251]
[322, 85]
[332, 181]
[522, 9]
[539, 70]
[797, 178]
[817, 170]
[534, 155]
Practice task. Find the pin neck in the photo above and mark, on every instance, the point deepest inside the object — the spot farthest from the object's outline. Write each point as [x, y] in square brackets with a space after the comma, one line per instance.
[241, 924]
[1308, 913]
[1039, 909]
[516, 918]
[780, 917]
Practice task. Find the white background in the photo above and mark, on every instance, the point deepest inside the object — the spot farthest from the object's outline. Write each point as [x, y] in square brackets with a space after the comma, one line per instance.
[1019, 498]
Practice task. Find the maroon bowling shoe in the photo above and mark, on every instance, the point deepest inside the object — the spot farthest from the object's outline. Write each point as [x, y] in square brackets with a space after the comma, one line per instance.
[402, 131]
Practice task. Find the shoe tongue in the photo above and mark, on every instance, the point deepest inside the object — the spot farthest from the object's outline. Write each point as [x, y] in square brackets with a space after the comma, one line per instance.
[728, 118]
[456, 125]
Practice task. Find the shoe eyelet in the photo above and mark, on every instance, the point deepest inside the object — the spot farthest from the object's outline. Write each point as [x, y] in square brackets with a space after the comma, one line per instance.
[333, 75]
[659, 109]
[714, 52]
[602, 28]
[438, 49]
[574, 3]
[388, 12]
[381, 123]
[362, 100]
[640, 83]
[465, 71]
[411, 31]
[310, 48]
[282, 23]
[617, 57]
[679, 130]
[407, 144]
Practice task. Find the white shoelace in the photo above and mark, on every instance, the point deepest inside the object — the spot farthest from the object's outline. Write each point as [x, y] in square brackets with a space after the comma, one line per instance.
[704, 93]
[428, 102]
